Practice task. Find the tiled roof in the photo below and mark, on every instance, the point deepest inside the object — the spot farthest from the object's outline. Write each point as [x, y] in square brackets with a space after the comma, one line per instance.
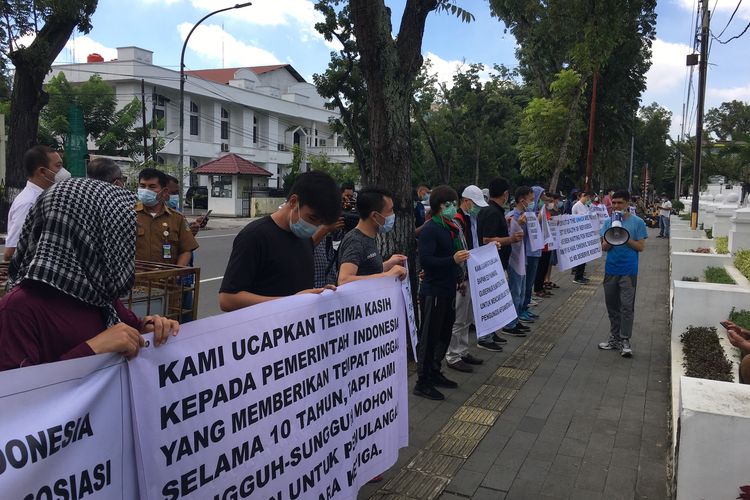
[231, 164]
[223, 75]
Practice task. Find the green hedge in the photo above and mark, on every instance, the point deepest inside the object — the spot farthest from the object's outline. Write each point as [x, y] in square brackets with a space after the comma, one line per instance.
[742, 262]
[722, 245]
[718, 275]
[740, 318]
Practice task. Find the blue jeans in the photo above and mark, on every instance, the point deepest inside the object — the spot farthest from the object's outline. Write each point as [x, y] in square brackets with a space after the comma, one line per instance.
[517, 285]
[532, 264]
[664, 223]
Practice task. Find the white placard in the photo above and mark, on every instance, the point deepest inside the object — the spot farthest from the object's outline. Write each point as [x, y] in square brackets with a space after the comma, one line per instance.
[300, 397]
[411, 322]
[65, 431]
[578, 241]
[490, 296]
[518, 252]
[536, 237]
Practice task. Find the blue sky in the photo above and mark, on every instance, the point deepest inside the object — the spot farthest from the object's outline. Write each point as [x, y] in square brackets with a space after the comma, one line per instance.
[272, 31]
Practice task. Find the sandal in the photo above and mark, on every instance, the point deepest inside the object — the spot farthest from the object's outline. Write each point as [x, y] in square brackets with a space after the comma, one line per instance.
[552, 284]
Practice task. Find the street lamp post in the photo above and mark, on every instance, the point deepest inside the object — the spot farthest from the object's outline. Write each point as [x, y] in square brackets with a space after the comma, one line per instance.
[180, 164]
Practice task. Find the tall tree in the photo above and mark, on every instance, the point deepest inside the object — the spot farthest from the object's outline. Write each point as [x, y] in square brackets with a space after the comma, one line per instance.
[58, 20]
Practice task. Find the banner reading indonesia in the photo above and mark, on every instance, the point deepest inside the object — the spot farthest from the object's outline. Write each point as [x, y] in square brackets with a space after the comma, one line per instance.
[490, 296]
[304, 397]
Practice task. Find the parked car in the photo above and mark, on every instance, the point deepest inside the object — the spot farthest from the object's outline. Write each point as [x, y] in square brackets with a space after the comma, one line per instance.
[197, 196]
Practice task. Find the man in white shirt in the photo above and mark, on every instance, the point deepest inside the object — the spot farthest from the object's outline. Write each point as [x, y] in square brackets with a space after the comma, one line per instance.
[581, 207]
[665, 210]
[43, 167]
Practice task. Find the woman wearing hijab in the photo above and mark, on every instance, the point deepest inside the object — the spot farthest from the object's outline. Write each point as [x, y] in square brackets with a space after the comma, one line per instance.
[74, 259]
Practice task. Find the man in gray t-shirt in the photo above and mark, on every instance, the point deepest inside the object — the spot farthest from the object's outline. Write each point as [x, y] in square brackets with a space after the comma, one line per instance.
[358, 254]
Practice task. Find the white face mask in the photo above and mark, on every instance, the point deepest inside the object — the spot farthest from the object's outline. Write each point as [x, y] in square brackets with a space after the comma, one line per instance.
[62, 175]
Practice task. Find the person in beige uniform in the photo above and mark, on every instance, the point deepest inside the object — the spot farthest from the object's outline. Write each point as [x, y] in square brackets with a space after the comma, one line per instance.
[163, 234]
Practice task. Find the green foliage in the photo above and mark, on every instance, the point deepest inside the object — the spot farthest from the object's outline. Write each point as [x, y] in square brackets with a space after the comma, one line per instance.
[340, 172]
[740, 318]
[704, 356]
[678, 206]
[717, 275]
[651, 147]
[709, 233]
[722, 245]
[290, 176]
[742, 262]
[453, 9]
[686, 216]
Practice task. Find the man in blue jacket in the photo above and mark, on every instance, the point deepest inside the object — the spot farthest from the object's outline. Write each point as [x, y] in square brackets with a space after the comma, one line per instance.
[442, 253]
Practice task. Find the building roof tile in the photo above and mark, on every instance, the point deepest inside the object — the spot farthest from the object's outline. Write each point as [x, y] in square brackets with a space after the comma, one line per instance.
[231, 164]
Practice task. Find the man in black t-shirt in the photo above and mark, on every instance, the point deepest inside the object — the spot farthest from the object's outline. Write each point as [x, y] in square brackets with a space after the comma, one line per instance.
[359, 257]
[273, 257]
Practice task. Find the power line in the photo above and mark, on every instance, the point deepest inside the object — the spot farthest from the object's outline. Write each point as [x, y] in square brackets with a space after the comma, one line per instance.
[724, 42]
[730, 19]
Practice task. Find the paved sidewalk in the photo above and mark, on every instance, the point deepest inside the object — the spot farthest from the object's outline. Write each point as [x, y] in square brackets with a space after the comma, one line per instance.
[553, 416]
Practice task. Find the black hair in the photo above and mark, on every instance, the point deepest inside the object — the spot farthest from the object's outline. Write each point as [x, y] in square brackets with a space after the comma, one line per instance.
[152, 173]
[556, 196]
[422, 184]
[522, 192]
[35, 157]
[371, 200]
[103, 169]
[440, 195]
[320, 192]
[623, 194]
[172, 178]
[498, 186]
[347, 185]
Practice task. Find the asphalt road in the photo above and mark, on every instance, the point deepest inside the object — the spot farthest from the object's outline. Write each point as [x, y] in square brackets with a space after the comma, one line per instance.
[212, 258]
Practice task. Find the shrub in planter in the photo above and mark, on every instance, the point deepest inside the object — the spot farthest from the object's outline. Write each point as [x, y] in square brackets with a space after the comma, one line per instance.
[700, 250]
[685, 216]
[740, 318]
[718, 275]
[704, 356]
[722, 245]
[690, 278]
[742, 262]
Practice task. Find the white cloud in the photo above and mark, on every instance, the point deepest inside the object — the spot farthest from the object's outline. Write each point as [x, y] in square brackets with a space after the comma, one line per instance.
[667, 72]
[720, 7]
[79, 48]
[741, 93]
[207, 42]
[445, 69]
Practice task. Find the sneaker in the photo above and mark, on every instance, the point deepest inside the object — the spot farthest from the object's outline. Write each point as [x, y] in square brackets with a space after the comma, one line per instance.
[461, 366]
[514, 332]
[439, 380]
[531, 314]
[611, 344]
[581, 281]
[489, 345]
[626, 351]
[533, 303]
[472, 360]
[522, 327]
[525, 318]
[428, 392]
[498, 339]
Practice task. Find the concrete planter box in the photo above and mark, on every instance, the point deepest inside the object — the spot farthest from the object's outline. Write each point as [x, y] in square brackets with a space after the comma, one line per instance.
[687, 244]
[686, 233]
[711, 461]
[694, 264]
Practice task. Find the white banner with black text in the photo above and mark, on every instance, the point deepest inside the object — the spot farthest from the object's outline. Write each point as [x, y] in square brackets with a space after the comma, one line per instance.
[577, 241]
[490, 296]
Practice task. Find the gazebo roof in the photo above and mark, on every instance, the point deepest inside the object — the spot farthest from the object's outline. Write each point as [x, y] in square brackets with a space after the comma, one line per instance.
[231, 164]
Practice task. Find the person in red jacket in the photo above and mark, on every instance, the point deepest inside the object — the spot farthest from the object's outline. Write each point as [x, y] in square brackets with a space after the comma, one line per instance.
[75, 257]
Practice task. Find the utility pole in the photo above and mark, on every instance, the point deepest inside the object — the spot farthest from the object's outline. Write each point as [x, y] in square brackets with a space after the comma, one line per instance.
[702, 69]
[630, 176]
[143, 117]
[678, 187]
[592, 126]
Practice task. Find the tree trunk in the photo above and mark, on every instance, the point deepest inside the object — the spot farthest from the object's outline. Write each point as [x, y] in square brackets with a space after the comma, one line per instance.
[476, 164]
[389, 67]
[432, 143]
[562, 158]
[28, 98]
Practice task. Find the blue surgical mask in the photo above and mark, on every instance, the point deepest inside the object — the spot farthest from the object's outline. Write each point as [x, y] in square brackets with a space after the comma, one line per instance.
[147, 197]
[174, 201]
[302, 229]
[387, 226]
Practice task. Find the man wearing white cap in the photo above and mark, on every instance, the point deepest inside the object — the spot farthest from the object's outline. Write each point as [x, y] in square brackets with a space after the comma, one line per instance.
[458, 356]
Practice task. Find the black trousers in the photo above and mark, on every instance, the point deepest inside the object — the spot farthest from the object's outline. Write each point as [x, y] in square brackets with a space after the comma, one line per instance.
[579, 270]
[438, 316]
[541, 271]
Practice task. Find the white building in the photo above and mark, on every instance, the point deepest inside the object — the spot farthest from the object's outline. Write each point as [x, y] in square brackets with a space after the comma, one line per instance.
[258, 113]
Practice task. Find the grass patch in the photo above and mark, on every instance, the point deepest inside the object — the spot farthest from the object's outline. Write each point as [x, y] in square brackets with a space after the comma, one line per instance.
[704, 356]
[709, 233]
[742, 262]
[722, 245]
[717, 275]
[740, 318]
[685, 216]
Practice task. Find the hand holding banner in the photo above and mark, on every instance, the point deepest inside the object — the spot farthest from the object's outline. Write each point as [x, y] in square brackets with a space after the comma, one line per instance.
[490, 295]
[578, 241]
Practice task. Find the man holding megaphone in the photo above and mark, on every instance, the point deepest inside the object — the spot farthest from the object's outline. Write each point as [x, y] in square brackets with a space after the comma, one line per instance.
[623, 238]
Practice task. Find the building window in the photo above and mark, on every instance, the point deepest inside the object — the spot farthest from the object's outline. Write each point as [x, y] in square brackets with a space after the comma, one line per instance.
[160, 115]
[221, 186]
[194, 118]
[224, 124]
[255, 130]
[316, 138]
